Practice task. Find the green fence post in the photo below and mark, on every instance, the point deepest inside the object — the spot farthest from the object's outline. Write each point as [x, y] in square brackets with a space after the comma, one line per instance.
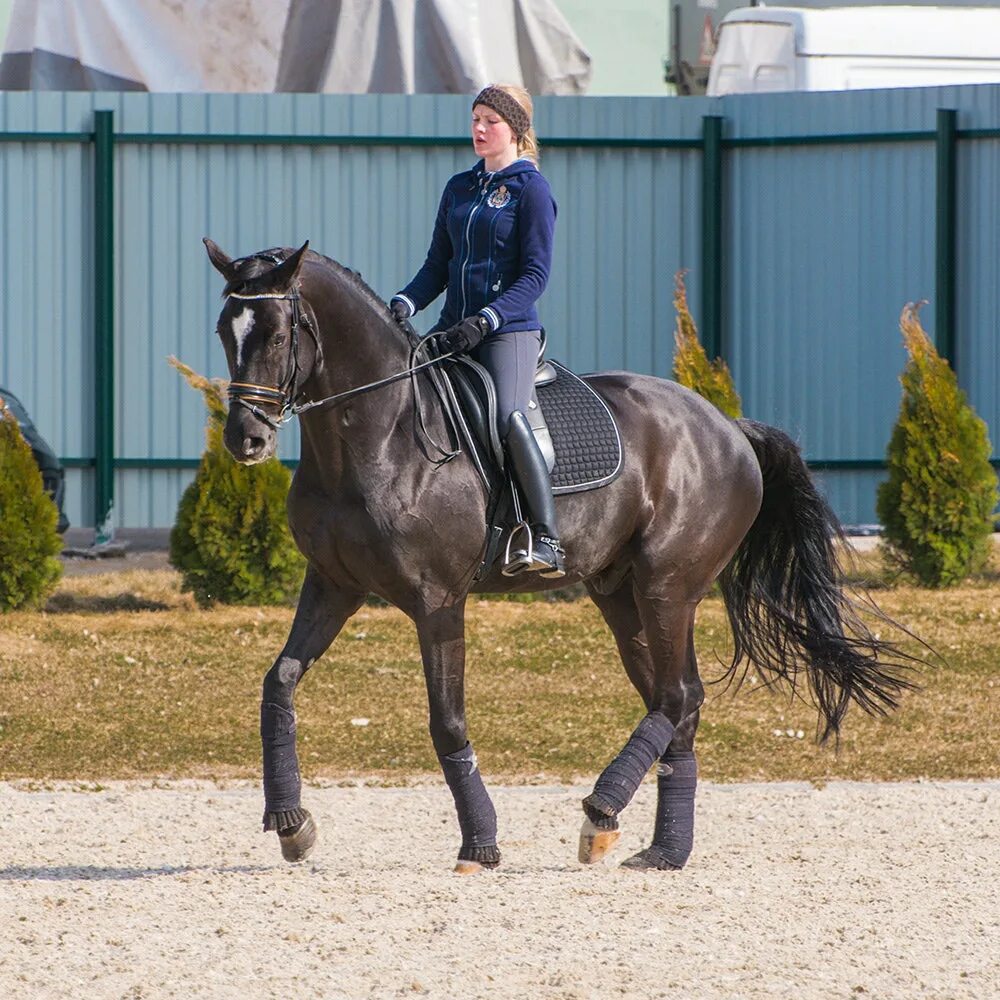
[946, 217]
[711, 237]
[104, 326]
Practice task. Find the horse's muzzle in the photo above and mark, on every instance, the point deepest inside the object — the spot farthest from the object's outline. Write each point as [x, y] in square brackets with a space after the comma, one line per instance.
[248, 439]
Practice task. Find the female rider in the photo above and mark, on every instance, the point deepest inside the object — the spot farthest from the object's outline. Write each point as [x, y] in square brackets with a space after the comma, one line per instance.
[492, 251]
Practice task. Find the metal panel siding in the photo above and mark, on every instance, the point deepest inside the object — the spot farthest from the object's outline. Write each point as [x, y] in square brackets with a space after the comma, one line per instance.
[851, 491]
[846, 238]
[978, 293]
[822, 247]
[45, 299]
[815, 295]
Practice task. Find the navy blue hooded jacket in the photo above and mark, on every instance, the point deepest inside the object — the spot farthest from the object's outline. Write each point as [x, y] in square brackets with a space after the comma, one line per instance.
[491, 248]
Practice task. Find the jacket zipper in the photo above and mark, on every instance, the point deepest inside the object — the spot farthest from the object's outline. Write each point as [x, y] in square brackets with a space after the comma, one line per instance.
[467, 240]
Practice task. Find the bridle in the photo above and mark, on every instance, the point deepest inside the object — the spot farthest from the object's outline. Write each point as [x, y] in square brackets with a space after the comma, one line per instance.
[286, 396]
[249, 394]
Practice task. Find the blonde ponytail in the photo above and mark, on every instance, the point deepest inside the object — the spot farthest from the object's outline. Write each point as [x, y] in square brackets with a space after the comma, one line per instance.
[527, 145]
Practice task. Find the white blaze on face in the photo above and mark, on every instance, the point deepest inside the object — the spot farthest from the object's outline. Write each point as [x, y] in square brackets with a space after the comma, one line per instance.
[242, 325]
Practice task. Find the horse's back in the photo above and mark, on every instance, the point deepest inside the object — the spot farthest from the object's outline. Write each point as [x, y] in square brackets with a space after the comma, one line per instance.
[690, 472]
[657, 409]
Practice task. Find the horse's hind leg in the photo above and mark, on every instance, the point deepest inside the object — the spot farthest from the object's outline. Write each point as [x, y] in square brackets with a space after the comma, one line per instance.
[676, 782]
[321, 613]
[656, 641]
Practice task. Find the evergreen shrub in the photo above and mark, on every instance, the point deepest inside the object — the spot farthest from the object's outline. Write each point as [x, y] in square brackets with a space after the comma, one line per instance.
[710, 379]
[936, 506]
[29, 542]
[231, 542]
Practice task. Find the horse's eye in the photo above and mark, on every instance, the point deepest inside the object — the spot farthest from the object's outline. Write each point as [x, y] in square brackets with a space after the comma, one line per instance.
[279, 340]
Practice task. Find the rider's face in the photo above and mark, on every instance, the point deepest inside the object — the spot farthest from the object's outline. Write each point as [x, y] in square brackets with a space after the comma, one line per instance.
[491, 135]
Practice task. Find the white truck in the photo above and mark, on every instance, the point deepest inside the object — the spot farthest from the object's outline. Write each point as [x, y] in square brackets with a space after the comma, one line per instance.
[766, 49]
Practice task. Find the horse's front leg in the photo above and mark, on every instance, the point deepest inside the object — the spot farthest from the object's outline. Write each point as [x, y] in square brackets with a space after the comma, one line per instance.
[322, 610]
[442, 645]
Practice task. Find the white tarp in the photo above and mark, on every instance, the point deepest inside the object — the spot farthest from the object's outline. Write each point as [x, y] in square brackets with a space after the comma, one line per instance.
[332, 46]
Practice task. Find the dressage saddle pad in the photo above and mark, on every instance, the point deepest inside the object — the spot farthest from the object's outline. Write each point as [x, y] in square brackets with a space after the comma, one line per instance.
[585, 436]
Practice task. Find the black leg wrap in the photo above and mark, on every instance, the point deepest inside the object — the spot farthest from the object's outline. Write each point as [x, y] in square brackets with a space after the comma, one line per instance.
[673, 835]
[281, 821]
[282, 784]
[618, 783]
[488, 857]
[477, 818]
[600, 813]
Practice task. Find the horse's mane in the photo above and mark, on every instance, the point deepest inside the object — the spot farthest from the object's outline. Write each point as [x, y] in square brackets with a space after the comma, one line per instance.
[256, 265]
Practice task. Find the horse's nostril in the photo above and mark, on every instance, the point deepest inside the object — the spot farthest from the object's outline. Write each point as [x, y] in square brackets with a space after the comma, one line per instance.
[252, 446]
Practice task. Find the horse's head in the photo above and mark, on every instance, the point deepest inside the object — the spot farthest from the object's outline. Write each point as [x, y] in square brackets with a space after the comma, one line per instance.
[261, 326]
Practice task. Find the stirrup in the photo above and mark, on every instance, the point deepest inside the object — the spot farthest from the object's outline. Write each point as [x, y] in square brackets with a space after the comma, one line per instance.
[527, 559]
[520, 560]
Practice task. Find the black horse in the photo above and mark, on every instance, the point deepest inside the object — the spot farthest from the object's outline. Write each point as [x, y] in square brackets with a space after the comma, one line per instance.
[375, 511]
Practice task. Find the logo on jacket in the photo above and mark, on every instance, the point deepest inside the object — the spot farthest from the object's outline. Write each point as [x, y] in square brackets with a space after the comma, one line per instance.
[499, 198]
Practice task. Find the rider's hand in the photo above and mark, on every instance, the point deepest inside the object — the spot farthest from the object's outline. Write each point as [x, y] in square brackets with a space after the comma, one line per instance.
[400, 311]
[464, 336]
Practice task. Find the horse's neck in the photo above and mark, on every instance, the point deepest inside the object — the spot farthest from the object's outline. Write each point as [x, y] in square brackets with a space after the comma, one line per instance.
[361, 345]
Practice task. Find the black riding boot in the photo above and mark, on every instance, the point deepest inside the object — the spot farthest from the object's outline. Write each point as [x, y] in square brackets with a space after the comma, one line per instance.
[540, 550]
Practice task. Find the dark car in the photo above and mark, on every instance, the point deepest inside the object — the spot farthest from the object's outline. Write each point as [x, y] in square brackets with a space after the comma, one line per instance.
[48, 463]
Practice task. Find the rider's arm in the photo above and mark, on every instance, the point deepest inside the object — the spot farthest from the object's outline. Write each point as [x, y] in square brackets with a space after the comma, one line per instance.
[432, 278]
[536, 223]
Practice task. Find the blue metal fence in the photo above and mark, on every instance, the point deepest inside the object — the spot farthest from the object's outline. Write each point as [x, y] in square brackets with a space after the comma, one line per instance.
[805, 221]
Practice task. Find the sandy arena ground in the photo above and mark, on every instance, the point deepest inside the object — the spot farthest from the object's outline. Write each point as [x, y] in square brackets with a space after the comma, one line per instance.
[854, 890]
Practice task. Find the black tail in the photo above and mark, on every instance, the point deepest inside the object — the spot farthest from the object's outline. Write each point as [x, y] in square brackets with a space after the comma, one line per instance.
[785, 600]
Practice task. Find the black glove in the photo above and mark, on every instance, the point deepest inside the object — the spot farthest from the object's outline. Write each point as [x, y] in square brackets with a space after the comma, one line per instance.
[464, 336]
[400, 311]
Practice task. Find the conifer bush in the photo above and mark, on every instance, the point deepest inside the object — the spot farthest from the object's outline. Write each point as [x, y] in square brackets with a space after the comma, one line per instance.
[29, 542]
[710, 379]
[936, 506]
[231, 542]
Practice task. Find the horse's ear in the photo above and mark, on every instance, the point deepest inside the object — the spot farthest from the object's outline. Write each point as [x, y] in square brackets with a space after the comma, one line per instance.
[220, 260]
[280, 278]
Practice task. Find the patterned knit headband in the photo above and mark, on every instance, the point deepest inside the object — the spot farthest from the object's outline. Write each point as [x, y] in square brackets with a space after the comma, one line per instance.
[507, 108]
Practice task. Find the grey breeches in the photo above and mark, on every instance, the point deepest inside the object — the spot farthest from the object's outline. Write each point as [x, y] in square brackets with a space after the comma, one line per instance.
[511, 358]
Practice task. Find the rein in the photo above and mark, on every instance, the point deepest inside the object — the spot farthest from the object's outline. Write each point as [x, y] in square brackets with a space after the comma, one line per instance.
[249, 394]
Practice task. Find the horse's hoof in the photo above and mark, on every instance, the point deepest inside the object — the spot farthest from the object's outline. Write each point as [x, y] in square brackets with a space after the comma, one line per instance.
[477, 859]
[469, 867]
[298, 842]
[651, 859]
[595, 842]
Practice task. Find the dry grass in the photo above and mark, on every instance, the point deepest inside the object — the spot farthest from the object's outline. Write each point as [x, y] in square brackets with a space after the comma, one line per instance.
[122, 676]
